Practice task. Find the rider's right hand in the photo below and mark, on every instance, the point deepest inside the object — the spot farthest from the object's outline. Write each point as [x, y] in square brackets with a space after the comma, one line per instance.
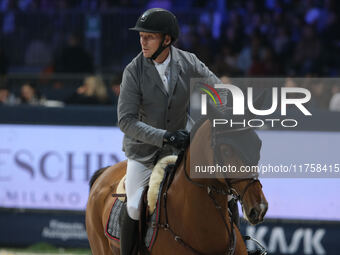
[179, 139]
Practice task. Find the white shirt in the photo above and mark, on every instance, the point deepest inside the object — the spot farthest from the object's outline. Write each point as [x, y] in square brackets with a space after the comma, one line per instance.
[164, 71]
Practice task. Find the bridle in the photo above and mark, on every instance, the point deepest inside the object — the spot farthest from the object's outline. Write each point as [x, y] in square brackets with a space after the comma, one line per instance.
[225, 190]
[218, 159]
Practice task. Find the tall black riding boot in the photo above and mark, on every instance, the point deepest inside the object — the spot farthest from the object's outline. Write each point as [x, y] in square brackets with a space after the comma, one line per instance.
[128, 233]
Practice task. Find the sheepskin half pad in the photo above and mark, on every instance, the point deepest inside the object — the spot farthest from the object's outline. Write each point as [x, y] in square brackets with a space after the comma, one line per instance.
[154, 182]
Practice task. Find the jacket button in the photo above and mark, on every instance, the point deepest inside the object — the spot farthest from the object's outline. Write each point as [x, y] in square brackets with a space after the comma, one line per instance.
[168, 121]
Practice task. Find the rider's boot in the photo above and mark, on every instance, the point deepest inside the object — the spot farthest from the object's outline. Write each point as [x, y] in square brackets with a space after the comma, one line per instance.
[128, 233]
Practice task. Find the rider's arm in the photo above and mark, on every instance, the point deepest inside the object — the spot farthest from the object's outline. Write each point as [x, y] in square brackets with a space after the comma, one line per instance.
[200, 70]
[128, 108]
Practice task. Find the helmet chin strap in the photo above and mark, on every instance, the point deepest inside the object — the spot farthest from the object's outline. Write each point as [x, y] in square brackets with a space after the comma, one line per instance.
[160, 49]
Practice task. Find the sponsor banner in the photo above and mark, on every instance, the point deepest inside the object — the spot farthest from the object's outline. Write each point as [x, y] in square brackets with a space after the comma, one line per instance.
[66, 229]
[24, 228]
[292, 196]
[295, 237]
[49, 167]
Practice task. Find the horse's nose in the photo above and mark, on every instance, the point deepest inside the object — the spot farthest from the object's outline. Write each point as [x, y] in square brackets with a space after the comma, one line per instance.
[253, 215]
[257, 213]
[262, 212]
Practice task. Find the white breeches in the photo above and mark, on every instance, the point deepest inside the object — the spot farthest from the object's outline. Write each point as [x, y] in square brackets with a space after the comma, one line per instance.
[137, 177]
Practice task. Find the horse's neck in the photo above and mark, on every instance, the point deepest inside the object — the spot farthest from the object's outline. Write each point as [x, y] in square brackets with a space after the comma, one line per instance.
[195, 199]
[193, 215]
[191, 212]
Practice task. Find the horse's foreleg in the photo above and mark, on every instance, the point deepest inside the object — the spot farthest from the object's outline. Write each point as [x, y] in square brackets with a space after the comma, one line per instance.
[98, 242]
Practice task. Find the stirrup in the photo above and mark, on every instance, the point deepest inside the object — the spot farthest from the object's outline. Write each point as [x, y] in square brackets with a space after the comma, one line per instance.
[261, 251]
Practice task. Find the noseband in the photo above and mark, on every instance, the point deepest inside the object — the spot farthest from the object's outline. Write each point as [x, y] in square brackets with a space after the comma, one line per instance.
[215, 142]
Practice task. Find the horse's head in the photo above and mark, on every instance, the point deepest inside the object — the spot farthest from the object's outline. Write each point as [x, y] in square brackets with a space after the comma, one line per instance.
[239, 151]
[244, 185]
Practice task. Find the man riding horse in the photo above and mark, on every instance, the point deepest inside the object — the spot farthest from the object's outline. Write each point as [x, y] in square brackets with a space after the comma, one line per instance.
[152, 108]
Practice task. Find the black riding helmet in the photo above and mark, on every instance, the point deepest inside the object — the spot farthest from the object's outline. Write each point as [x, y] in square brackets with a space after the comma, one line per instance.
[158, 20]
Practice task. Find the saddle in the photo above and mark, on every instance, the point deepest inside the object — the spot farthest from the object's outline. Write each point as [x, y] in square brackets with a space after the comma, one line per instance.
[150, 203]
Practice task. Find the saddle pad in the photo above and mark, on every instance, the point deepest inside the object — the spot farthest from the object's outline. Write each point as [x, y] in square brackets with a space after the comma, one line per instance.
[152, 230]
[112, 230]
[112, 226]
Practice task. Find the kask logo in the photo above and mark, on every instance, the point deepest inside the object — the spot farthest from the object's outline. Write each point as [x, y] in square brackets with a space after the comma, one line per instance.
[143, 18]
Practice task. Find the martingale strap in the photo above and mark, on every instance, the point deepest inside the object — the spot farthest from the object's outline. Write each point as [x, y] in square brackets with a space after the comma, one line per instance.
[166, 225]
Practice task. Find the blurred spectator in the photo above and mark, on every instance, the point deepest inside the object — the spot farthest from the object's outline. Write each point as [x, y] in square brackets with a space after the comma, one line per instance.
[263, 38]
[249, 53]
[74, 58]
[282, 42]
[321, 93]
[165, 4]
[312, 14]
[265, 65]
[203, 44]
[115, 89]
[92, 92]
[6, 98]
[290, 83]
[233, 38]
[4, 93]
[226, 62]
[187, 38]
[331, 48]
[307, 52]
[225, 79]
[38, 53]
[29, 95]
[334, 104]
[46, 5]
[25, 5]
[8, 22]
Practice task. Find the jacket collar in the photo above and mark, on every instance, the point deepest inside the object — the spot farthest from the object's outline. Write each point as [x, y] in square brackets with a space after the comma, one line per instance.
[174, 72]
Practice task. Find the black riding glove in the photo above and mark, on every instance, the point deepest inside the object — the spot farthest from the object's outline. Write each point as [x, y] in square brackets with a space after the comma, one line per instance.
[179, 139]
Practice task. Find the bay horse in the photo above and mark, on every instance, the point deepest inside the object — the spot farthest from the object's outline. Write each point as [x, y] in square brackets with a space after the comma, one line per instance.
[196, 210]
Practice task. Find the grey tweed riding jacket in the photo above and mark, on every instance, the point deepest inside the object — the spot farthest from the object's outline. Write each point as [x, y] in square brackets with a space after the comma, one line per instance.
[146, 110]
